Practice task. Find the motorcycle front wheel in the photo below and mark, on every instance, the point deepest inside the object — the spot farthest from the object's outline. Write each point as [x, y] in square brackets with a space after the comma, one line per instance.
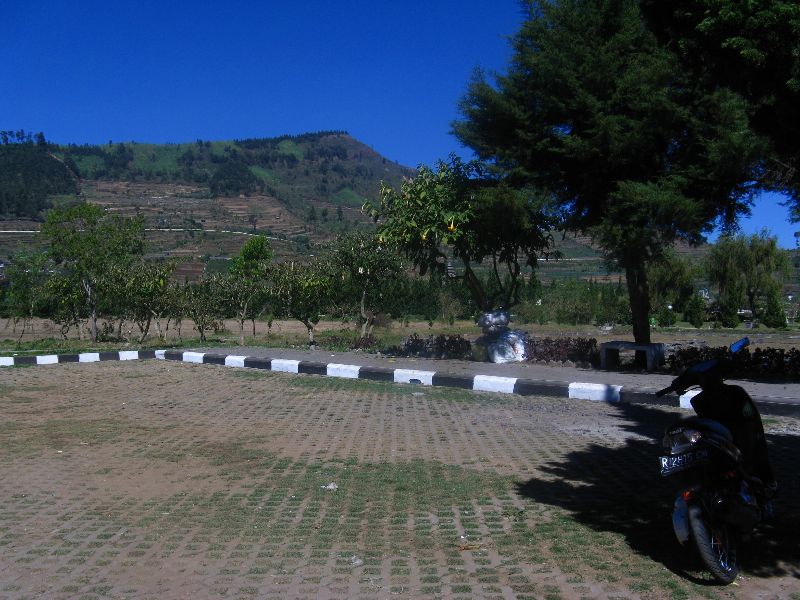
[716, 544]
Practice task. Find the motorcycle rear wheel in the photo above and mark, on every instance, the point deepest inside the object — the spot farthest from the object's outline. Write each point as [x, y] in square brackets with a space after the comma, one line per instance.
[716, 544]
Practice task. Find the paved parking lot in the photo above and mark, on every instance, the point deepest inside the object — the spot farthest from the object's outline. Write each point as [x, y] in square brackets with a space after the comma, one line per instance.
[154, 479]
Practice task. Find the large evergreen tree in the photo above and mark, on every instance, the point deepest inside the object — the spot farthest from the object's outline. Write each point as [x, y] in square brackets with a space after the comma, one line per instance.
[594, 112]
[753, 48]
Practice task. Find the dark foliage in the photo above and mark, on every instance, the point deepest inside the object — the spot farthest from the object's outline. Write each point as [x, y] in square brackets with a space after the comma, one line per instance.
[777, 363]
[563, 349]
[435, 346]
[686, 357]
[29, 174]
[770, 363]
[234, 178]
[255, 143]
[346, 342]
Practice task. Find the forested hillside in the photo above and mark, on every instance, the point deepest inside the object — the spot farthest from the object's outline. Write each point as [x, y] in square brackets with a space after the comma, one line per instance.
[31, 173]
[327, 166]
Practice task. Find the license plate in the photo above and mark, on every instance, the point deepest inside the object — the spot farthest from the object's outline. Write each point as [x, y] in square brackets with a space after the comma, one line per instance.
[679, 462]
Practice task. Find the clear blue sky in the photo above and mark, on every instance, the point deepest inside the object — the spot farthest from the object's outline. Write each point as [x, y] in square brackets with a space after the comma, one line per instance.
[389, 73]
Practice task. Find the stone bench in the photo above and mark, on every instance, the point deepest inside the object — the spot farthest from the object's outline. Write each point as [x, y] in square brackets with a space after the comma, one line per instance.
[609, 354]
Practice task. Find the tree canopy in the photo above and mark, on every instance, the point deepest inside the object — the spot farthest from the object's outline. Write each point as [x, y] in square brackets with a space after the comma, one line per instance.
[458, 206]
[748, 269]
[751, 47]
[370, 265]
[86, 244]
[594, 113]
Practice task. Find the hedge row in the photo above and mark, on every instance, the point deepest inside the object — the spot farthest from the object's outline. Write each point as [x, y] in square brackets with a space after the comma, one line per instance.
[773, 363]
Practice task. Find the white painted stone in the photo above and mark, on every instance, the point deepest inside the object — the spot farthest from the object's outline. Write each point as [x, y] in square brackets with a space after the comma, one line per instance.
[595, 391]
[413, 376]
[348, 371]
[285, 365]
[686, 399]
[491, 383]
[193, 357]
[234, 361]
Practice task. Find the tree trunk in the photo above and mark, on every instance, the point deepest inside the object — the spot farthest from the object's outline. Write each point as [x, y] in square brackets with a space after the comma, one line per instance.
[639, 294]
[475, 288]
[364, 318]
[146, 329]
[94, 325]
[310, 326]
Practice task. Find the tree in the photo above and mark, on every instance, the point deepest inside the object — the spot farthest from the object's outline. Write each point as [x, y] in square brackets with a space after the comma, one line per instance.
[247, 279]
[146, 293]
[672, 282]
[774, 313]
[67, 302]
[87, 243]
[26, 274]
[370, 264]
[301, 291]
[458, 207]
[747, 268]
[751, 47]
[694, 311]
[594, 113]
[204, 303]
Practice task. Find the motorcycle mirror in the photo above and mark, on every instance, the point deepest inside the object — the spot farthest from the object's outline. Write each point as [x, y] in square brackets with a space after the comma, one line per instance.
[742, 343]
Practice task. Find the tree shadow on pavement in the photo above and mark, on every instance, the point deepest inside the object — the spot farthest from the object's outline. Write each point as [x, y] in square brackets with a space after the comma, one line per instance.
[620, 490]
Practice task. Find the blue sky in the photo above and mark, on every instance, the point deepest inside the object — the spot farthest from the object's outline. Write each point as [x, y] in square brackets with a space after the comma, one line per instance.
[389, 73]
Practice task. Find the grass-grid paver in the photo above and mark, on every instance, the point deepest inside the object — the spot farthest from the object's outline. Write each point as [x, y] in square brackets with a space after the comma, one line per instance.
[174, 480]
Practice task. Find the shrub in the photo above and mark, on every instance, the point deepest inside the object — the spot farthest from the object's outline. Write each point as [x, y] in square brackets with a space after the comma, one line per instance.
[563, 349]
[774, 363]
[694, 311]
[343, 341]
[435, 346]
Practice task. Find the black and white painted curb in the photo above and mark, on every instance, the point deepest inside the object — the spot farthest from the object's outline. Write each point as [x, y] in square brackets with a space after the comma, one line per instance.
[483, 383]
[16, 361]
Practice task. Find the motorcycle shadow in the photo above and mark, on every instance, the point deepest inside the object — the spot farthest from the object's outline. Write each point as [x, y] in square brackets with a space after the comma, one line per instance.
[619, 489]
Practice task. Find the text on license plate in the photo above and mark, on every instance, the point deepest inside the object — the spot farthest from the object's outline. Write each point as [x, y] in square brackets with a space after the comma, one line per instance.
[679, 462]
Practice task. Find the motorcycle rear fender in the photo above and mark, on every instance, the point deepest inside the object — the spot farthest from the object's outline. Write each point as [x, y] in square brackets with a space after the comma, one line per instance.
[680, 520]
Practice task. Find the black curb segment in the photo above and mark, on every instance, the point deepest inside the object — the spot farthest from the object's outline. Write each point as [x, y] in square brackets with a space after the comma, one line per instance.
[456, 380]
[312, 368]
[214, 359]
[258, 363]
[532, 387]
[376, 373]
[521, 387]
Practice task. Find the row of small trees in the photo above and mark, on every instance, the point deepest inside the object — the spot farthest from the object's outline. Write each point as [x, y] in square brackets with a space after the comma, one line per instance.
[94, 270]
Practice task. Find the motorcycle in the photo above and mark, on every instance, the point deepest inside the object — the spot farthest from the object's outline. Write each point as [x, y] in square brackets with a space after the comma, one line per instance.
[719, 460]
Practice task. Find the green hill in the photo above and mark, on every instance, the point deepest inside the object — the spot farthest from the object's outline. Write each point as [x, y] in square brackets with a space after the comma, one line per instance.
[327, 166]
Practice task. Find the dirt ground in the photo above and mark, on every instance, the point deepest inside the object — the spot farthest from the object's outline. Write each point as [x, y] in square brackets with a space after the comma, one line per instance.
[155, 479]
